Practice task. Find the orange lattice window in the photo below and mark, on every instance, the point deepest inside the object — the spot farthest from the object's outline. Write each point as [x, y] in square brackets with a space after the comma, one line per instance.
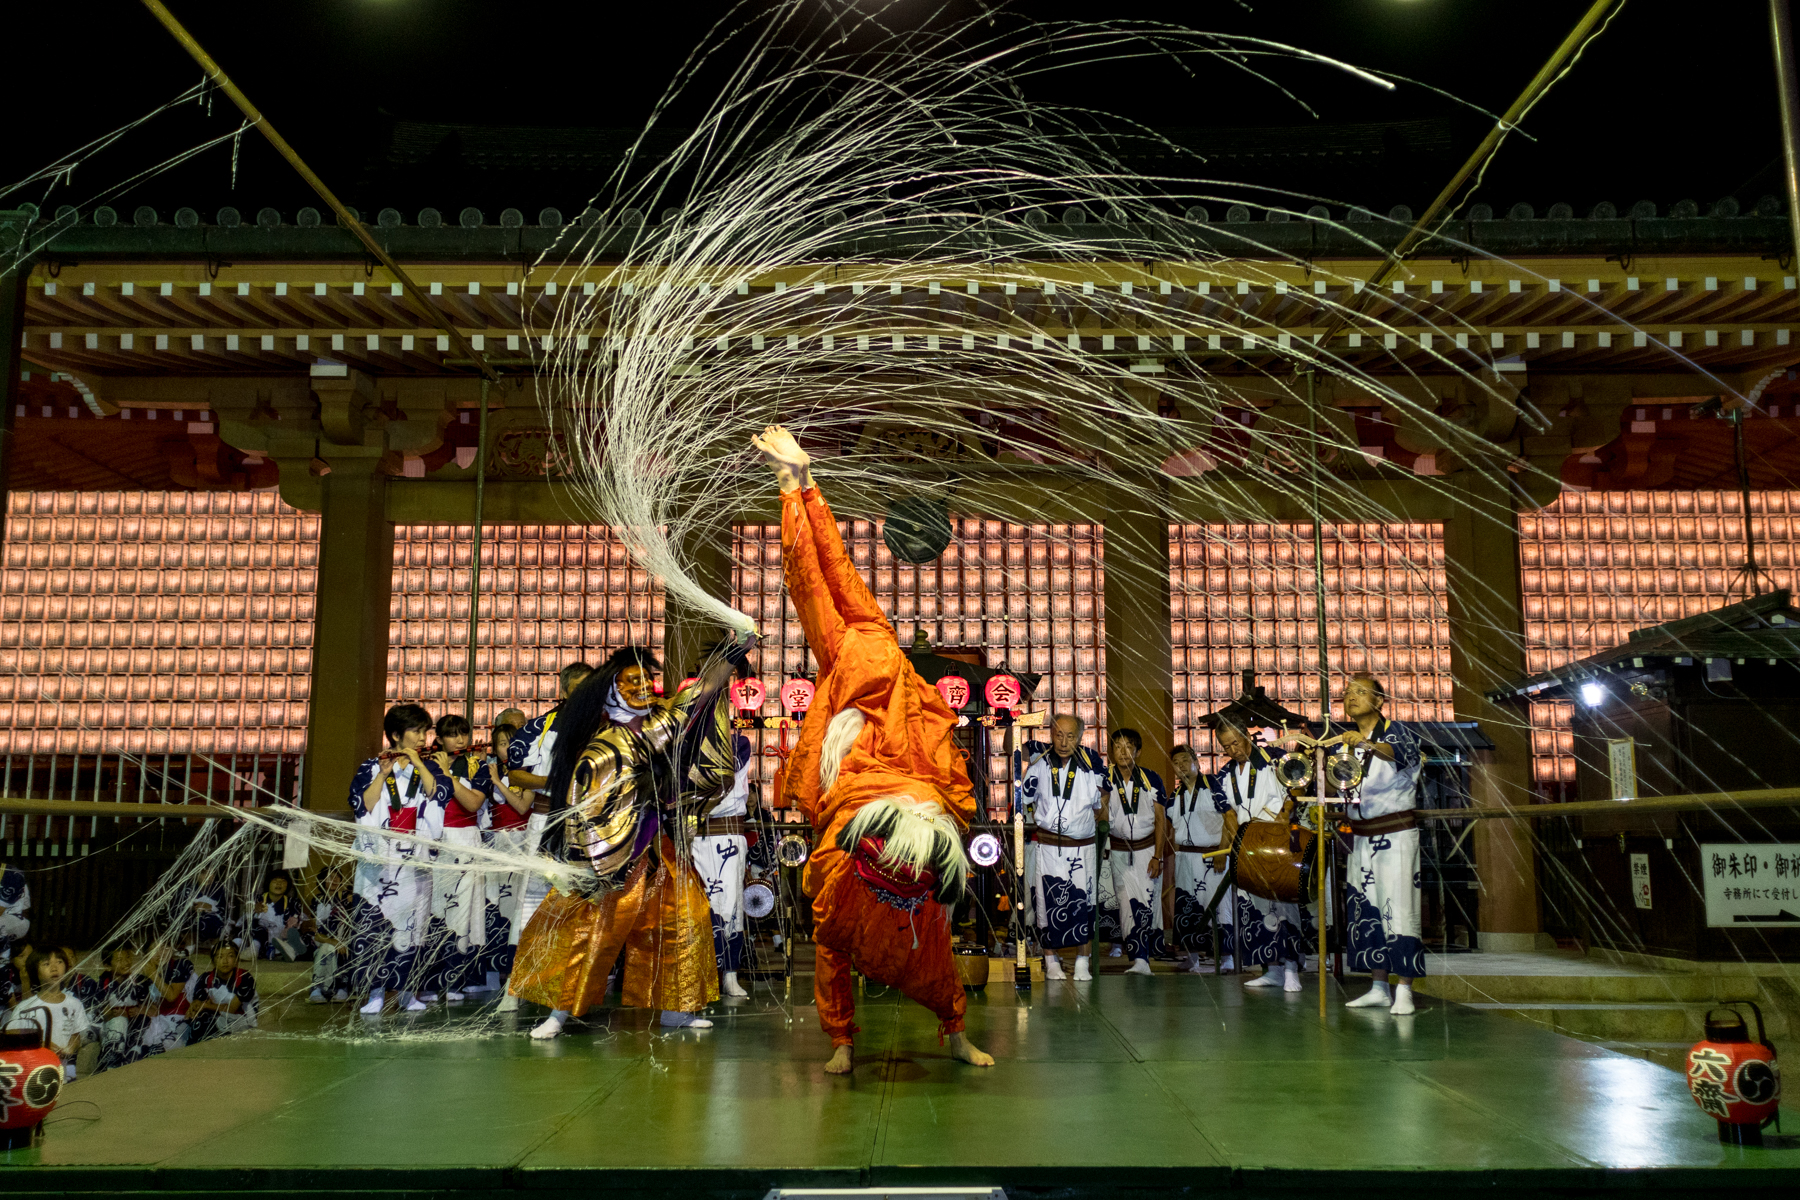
[1596, 565]
[550, 595]
[156, 623]
[1242, 596]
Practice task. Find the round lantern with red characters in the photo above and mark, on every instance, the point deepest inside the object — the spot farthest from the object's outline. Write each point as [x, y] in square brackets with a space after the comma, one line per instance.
[747, 695]
[797, 695]
[1004, 693]
[955, 690]
[1734, 1080]
[31, 1078]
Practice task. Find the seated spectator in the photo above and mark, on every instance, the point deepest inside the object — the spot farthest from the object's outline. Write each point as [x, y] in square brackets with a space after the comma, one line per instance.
[52, 1011]
[86, 989]
[223, 1000]
[15, 899]
[280, 915]
[126, 1008]
[334, 925]
[168, 970]
[199, 913]
[15, 984]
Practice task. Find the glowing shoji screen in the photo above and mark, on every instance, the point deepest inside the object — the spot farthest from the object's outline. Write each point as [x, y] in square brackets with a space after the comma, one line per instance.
[1243, 596]
[156, 622]
[550, 595]
[1029, 595]
[1596, 565]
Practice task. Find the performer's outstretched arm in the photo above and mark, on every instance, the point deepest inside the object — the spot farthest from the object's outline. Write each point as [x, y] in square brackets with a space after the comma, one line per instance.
[855, 603]
[810, 555]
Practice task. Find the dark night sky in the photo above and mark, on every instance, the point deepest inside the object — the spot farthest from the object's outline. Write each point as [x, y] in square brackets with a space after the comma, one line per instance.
[1670, 103]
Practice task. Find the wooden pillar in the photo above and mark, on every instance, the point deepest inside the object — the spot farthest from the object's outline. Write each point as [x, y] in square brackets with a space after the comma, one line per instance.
[707, 550]
[12, 328]
[1139, 684]
[1481, 553]
[350, 630]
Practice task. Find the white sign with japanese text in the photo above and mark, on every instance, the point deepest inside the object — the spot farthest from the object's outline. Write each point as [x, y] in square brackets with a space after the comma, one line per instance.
[1621, 762]
[1640, 879]
[1751, 886]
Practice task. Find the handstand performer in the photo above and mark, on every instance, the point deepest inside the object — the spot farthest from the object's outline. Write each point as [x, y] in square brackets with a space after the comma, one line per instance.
[881, 782]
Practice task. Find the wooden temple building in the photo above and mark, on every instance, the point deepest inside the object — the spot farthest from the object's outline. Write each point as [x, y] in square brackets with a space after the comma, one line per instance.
[227, 354]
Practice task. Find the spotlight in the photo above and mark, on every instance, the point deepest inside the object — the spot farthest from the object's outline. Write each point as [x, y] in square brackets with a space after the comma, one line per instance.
[1593, 694]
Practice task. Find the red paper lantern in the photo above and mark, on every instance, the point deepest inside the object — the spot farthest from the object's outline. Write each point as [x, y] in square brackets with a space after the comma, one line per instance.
[31, 1078]
[955, 690]
[1004, 692]
[797, 695]
[1734, 1080]
[747, 695]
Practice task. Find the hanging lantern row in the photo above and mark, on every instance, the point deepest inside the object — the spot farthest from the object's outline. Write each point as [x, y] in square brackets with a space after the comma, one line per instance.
[1004, 693]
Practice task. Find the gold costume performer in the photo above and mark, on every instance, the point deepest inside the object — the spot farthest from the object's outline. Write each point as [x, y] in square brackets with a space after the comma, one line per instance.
[647, 763]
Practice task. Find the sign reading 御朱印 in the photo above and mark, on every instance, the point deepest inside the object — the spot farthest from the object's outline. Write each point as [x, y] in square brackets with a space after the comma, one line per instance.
[1751, 886]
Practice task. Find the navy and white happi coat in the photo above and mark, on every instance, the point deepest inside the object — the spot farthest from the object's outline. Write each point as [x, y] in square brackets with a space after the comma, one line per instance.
[1196, 825]
[457, 896]
[1382, 879]
[1134, 801]
[519, 894]
[1268, 931]
[719, 860]
[15, 901]
[391, 886]
[1060, 798]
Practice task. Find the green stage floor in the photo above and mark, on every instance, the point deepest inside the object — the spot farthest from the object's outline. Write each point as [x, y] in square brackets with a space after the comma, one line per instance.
[1125, 1084]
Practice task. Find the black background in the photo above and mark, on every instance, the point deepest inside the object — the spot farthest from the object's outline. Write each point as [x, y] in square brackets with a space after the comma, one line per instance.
[1673, 102]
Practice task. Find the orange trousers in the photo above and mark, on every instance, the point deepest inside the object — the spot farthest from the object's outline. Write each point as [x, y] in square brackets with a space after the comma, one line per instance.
[662, 921]
[906, 951]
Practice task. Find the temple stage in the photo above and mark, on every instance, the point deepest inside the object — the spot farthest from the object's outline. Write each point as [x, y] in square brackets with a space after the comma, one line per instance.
[1164, 1085]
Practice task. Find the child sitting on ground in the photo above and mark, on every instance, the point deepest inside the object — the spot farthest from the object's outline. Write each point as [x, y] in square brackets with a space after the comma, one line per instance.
[279, 916]
[125, 1008]
[223, 1000]
[54, 1012]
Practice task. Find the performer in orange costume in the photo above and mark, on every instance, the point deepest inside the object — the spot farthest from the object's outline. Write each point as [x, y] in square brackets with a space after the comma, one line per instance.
[881, 782]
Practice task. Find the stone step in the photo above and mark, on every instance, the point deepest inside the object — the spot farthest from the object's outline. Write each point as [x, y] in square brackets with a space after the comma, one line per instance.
[1643, 1022]
[1595, 989]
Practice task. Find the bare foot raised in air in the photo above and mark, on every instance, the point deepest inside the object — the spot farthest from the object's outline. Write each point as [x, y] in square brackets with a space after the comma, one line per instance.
[842, 1060]
[963, 1048]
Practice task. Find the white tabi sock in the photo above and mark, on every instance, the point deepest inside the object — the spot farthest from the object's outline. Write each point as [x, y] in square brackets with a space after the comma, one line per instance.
[1290, 977]
[373, 1007]
[1403, 1001]
[1139, 966]
[551, 1025]
[1375, 997]
[1081, 968]
[730, 985]
[1053, 967]
[680, 1020]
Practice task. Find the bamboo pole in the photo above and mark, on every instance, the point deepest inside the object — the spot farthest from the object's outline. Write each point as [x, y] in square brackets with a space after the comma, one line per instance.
[345, 218]
[1422, 228]
[475, 557]
[1318, 524]
[1781, 35]
[1685, 802]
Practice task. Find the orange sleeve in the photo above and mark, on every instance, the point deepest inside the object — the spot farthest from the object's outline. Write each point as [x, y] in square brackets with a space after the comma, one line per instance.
[806, 582]
[855, 603]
